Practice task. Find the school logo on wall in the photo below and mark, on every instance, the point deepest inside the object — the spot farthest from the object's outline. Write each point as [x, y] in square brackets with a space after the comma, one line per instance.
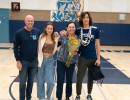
[66, 10]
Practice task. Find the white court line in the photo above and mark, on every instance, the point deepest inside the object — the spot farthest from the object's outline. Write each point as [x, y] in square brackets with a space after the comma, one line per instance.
[105, 98]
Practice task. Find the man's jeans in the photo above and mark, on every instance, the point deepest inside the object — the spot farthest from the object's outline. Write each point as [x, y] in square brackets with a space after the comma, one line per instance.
[45, 74]
[28, 72]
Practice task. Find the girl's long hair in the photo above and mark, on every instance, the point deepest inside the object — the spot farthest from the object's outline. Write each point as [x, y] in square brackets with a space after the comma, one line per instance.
[45, 33]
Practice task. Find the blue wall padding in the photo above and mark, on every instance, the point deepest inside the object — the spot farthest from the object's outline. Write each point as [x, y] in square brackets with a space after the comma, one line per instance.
[114, 34]
[14, 25]
[110, 34]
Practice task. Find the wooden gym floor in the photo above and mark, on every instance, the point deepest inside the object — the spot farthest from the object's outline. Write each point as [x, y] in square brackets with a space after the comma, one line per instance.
[115, 64]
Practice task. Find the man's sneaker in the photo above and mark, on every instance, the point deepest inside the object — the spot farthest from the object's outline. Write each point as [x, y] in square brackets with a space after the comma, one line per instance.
[89, 97]
[77, 98]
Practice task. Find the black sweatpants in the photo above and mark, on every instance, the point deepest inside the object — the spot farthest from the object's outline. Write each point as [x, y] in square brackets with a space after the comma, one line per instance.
[83, 64]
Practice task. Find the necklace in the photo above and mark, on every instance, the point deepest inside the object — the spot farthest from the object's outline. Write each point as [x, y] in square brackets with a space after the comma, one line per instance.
[88, 38]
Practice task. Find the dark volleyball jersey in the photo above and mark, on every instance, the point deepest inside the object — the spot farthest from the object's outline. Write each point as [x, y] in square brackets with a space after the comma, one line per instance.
[26, 44]
[88, 51]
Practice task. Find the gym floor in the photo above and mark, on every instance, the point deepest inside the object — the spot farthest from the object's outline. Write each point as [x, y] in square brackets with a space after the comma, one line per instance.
[115, 65]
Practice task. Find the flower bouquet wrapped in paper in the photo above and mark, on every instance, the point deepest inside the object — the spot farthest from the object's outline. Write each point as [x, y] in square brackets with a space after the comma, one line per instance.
[73, 44]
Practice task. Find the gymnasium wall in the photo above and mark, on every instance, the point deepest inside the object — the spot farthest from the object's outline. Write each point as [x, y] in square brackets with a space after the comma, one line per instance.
[113, 31]
[121, 6]
[4, 25]
[98, 17]
[111, 34]
[107, 17]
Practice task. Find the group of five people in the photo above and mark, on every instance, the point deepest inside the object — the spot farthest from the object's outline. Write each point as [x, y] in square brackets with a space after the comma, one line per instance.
[34, 55]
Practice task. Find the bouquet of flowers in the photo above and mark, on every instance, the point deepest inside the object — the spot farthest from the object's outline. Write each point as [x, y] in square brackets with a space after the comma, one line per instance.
[73, 45]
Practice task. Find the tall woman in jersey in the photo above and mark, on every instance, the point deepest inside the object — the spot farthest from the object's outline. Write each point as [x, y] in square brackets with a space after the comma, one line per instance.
[47, 48]
[89, 52]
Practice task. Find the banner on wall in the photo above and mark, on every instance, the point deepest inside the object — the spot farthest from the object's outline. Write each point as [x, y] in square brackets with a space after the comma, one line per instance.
[67, 10]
